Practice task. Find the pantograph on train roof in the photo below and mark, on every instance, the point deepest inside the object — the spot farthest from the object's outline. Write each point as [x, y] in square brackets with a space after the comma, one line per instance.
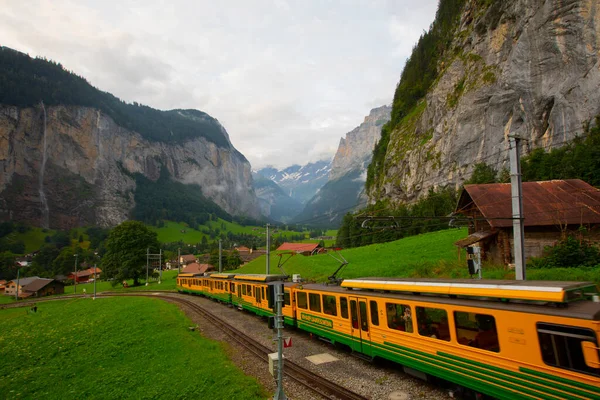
[549, 291]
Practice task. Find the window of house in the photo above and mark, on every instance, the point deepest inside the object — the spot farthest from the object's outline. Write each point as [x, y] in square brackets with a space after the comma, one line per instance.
[374, 313]
[301, 299]
[314, 301]
[329, 305]
[344, 307]
[433, 322]
[561, 347]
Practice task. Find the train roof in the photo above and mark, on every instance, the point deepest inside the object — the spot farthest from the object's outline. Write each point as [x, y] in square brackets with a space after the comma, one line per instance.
[585, 309]
[260, 277]
[222, 275]
[190, 275]
[549, 291]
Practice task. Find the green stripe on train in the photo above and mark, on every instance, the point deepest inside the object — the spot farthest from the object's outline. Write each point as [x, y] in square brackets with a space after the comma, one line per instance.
[525, 378]
[422, 360]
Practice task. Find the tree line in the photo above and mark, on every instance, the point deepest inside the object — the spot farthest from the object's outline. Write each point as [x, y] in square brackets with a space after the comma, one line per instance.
[26, 81]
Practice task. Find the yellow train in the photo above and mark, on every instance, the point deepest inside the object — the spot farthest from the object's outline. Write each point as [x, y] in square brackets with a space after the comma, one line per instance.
[503, 339]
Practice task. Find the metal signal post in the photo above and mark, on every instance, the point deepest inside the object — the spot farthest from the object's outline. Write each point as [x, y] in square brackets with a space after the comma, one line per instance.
[279, 292]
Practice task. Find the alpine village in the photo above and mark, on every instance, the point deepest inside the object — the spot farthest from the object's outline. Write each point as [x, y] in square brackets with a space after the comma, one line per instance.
[450, 248]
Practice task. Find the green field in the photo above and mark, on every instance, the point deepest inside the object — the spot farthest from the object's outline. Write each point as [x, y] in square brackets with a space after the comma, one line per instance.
[400, 258]
[175, 231]
[113, 348]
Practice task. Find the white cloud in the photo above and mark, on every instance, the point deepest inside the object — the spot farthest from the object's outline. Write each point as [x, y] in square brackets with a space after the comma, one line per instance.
[287, 79]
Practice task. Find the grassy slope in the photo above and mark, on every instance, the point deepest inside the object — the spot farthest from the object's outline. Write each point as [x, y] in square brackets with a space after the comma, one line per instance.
[171, 232]
[79, 348]
[33, 238]
[399, 258]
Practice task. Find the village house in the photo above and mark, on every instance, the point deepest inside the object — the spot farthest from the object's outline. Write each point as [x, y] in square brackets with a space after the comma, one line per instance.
[86, 275]
[307, 249]
[2, 286]
[187, 259]
[11, 286]
[195, 268]
[42, 287]
[551, 211]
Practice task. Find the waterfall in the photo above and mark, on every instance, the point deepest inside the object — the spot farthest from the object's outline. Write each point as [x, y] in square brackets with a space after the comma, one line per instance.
[45, 209]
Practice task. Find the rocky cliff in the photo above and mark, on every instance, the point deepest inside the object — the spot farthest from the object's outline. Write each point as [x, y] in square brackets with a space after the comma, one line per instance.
[524, 67]
[344, 190]
[65, 166]
[356, 149]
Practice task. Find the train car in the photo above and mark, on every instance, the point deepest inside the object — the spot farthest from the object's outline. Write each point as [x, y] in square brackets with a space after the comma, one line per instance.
[190, 283]
[252, 292]
[505, 339]
[218, 286]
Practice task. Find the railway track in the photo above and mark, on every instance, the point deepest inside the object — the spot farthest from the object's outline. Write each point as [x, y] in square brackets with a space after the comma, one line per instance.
[293, 371]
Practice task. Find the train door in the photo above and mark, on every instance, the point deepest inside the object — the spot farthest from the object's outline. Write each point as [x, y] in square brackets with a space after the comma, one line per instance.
[257, 296]
[359, 317]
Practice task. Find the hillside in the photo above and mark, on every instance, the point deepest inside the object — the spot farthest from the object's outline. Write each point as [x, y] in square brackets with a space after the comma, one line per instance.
[25, 82]
[486, 70]
[401, 258]
[72, 155]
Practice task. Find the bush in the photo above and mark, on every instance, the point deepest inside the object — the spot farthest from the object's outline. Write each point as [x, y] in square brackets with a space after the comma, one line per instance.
[568, 253]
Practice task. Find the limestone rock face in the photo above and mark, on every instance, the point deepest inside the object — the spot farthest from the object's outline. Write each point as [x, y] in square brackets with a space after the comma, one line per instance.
[524, 67]
[71, 166]
[356, 149]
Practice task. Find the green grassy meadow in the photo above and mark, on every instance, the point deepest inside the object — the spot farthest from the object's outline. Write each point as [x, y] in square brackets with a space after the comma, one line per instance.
[113, 348]
[400, 258]
[172, 231]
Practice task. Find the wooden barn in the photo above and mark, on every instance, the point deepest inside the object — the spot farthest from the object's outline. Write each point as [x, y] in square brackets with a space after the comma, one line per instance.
[551, 210]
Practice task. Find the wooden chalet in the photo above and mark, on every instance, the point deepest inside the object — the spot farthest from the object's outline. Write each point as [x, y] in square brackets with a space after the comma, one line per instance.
[551, 211]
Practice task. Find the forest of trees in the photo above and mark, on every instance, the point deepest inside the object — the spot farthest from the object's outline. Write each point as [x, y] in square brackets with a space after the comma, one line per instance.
[26, 81]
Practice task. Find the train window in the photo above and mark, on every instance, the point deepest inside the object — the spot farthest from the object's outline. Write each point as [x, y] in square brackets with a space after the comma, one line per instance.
[243, 289]
[433, 322]
[476, 330]
[561, 347]
[232, 287]
[329, 305]
[286, 298]
[374, 313]
[399, 317]
[263, 292]
[314, 301]
[301, 300]
[344, 307]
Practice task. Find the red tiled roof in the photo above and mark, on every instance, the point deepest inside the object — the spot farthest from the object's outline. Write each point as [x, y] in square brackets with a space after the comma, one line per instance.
[195, 268]
[298, 247]
[570, 201]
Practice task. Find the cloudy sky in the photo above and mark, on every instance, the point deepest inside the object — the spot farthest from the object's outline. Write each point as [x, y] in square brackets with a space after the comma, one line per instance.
[287, 78]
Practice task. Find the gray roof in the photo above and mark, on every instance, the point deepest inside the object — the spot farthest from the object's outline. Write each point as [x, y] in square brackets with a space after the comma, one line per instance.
[37, 284]
[26, 281]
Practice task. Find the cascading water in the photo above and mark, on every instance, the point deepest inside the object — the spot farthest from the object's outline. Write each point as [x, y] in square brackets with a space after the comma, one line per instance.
[43, 200]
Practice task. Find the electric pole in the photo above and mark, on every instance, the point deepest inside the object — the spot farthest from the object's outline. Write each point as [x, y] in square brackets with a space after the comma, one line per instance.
[75, 277]
[517, 206]
[268, 251]
[220, 261]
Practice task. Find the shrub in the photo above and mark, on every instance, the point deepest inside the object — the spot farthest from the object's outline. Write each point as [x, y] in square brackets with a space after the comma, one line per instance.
[568, 253]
